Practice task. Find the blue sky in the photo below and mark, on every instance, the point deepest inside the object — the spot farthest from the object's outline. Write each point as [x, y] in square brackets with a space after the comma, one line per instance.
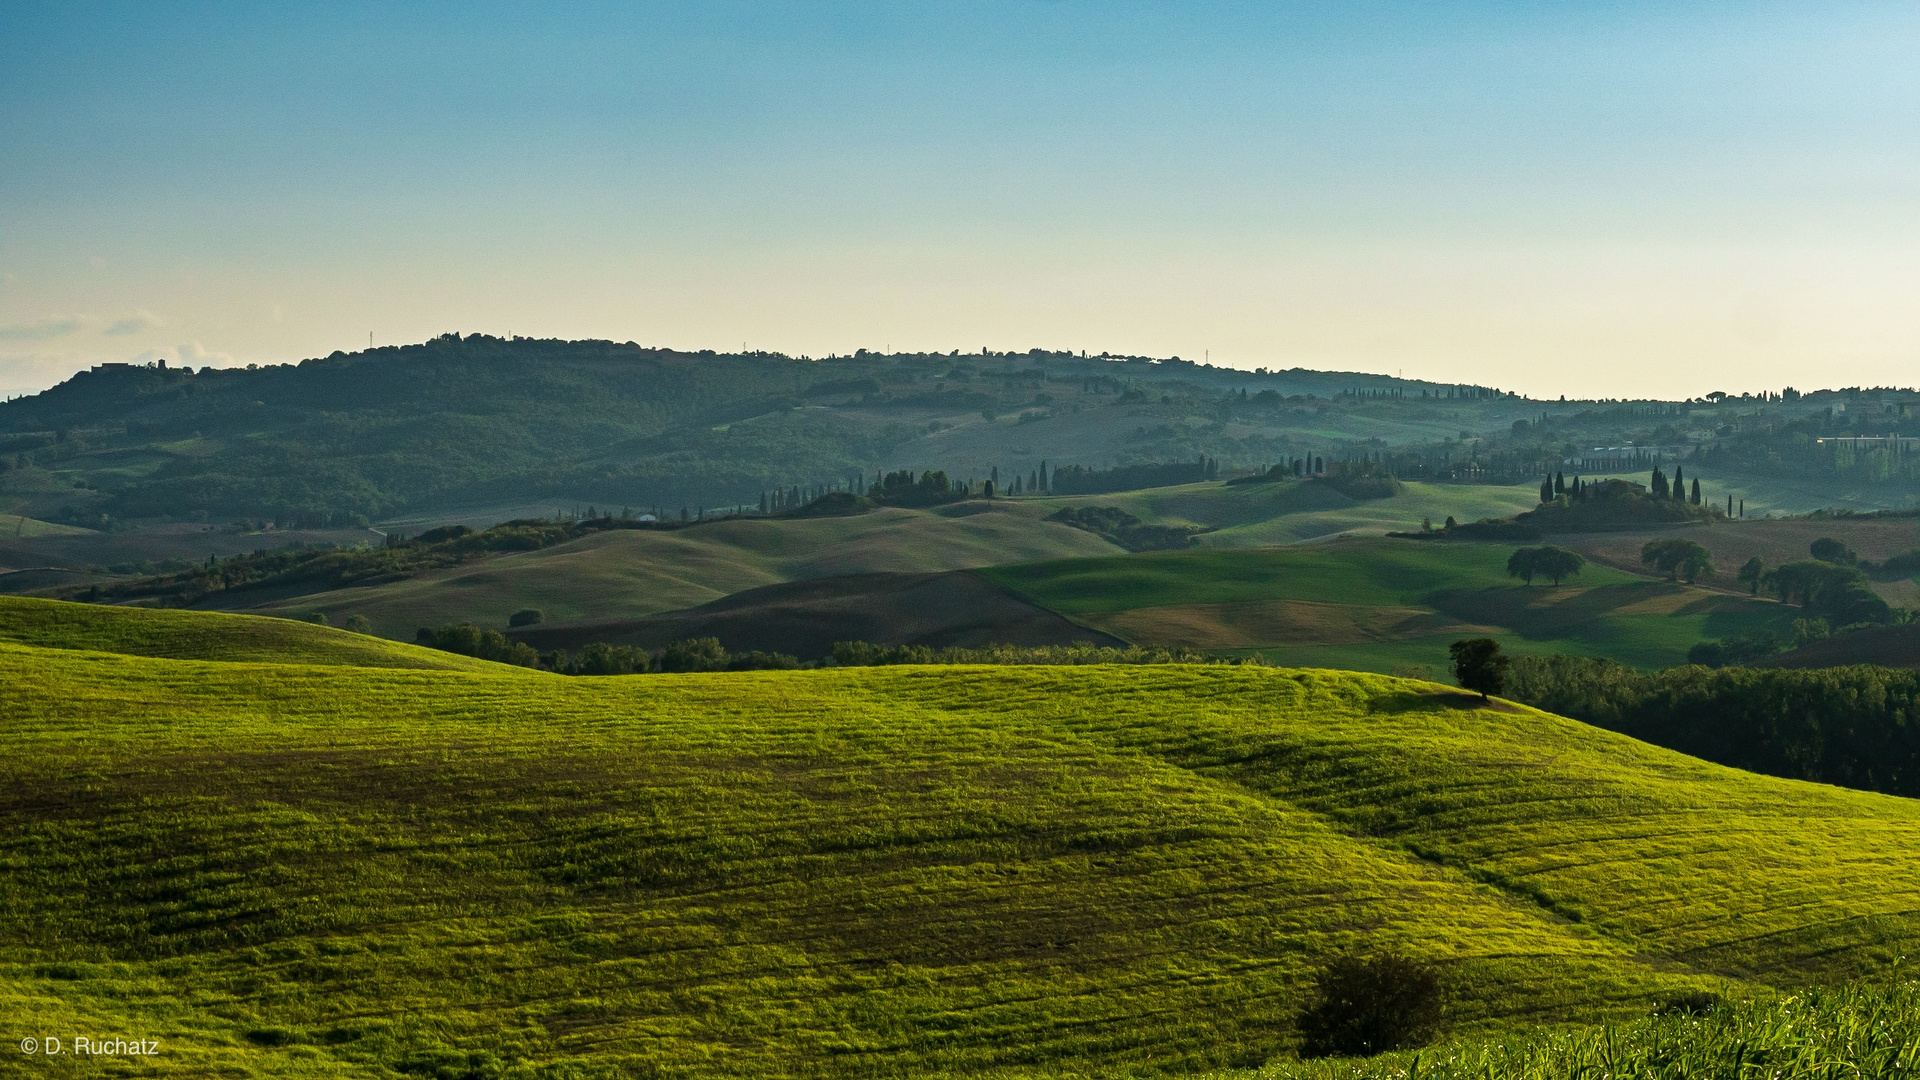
[1601, 198]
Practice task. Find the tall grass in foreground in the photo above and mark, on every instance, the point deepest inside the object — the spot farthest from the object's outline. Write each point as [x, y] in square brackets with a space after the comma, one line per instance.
[1858, 1030]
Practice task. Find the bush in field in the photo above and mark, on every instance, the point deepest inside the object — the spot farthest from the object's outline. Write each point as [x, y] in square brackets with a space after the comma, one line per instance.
[1365, 1005]
[359, 624]
[527, 616]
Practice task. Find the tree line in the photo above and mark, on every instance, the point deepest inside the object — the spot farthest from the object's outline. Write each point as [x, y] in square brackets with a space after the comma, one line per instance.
[708, 654]
[1853, 726]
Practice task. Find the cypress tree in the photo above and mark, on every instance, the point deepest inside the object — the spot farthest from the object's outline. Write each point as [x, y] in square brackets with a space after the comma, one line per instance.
[1695, 499]
[1559, 483]
[1546, 490]
[1659, 484]
[1679, 484]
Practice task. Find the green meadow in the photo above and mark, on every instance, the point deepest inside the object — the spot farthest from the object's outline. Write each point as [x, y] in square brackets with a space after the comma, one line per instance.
[633, 573]
[629, 573]
[308, 868]
[192, 635]
[1378, 604]
[1864, 1028]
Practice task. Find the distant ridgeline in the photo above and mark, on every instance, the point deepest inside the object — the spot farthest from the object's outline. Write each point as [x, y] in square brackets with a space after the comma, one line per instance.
[484, 421]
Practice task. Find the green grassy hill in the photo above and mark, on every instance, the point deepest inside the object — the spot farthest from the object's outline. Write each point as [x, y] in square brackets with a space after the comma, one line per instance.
[14, 526]
[297, 870]
[195, 635]
[629, 573]
[1380, 604]
[1262, 515]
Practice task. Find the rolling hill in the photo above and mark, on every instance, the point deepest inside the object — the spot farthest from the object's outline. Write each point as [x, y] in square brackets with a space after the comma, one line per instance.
[1264, 515]
[307, 870]
[634, 573]
[1378, 605]
[619, 576]
[806, 618]
[193, 635]
[464, 427]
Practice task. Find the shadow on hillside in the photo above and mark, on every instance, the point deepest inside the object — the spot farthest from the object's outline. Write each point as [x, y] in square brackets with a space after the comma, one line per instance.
[1542, 611]
[1438, 701]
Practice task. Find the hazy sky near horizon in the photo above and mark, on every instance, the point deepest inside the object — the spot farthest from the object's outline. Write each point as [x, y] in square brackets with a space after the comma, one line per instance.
[1606, 198]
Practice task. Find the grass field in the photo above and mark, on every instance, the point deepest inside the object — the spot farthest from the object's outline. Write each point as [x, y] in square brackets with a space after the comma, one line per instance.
[1773, 543]
[305, 870]
[630, 573]
[196, 635]
[1377, 605]
[1262, 515]
[1867, 1028]
[624, 575]
[16, 526]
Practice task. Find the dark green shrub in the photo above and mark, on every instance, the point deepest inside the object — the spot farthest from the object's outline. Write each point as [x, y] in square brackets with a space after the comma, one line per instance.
[1695, 1003]
[1366, 1005]
[600, 658]
[1479, 665]
[469, 640]
[694, 654]
[526, 617]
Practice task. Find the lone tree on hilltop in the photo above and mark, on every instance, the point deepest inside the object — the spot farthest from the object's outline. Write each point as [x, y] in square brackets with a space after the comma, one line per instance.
[1479, 665]
[1545, 561]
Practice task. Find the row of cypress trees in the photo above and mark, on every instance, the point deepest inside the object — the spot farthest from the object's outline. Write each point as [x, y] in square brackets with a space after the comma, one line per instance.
[1556, 485]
